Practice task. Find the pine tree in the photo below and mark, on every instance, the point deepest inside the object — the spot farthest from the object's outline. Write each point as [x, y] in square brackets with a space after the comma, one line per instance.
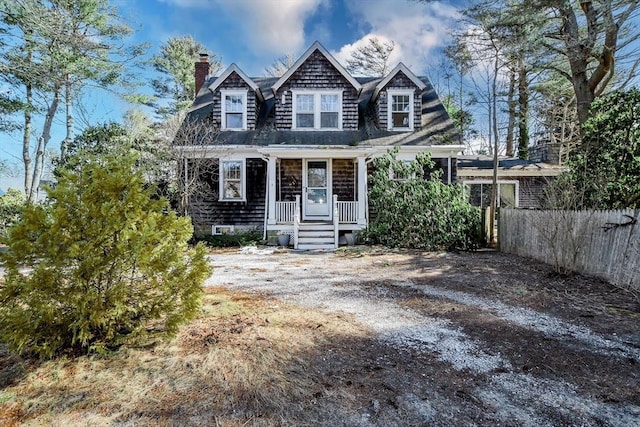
[105, 263]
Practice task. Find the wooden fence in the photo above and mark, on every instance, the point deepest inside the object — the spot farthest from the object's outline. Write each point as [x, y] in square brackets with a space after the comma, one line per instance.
[605, 244]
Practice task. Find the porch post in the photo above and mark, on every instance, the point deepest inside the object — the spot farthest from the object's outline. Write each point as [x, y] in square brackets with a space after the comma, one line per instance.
[271, 190]
[362, 191]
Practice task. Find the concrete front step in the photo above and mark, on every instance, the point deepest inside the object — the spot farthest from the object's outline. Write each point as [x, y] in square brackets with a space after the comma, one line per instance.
[315, 227]
[309, 247]
[316, 240]
[318, 233]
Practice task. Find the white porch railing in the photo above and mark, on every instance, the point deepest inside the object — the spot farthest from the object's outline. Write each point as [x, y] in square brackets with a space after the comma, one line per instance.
[286, 211]
[336, 221]
[296, 222]
[348, 212]
[344, 212]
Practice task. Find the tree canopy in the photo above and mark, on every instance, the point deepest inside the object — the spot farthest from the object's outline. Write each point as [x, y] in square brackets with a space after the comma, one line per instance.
[51, 51]
[371, 59]
[175, 87]
[606, 167]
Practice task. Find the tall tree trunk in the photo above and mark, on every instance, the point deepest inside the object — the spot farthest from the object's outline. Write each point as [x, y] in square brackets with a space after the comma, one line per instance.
[460, 108]
[581, 48]
[493, 239]
[64, 146]
[523, 111]
[511, 103]
[26, 139]
[38, 167]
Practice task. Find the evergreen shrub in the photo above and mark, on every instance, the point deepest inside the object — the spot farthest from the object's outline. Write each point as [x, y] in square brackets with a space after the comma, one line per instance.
[413, 208]
[102, 264]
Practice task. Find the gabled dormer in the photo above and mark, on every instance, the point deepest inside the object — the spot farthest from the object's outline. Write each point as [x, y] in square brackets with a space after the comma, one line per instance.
[398, 100]
[316, 93]
[236, 100]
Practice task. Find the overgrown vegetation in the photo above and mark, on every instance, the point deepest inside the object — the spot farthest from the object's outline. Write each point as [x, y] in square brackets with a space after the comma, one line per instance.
[11, 205]
[233, 240]
[104, 263]
[415, 209]
[604, 169]
[245, 360]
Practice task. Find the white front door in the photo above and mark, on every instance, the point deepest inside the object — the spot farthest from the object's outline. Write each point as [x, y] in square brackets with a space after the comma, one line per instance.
[316, 186]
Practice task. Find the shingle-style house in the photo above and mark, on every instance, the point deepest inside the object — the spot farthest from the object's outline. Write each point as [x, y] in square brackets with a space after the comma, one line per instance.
[521, 183]
[292, 154]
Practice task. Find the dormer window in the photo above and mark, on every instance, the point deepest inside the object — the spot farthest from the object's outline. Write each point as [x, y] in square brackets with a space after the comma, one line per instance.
[234, 109]
[400, 110]
[317, 110]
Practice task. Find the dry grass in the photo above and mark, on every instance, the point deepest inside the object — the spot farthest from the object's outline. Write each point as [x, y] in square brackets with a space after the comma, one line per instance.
[246, 360]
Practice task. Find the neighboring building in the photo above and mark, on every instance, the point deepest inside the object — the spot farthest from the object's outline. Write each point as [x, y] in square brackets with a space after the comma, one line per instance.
[520, 183]
[292, 154]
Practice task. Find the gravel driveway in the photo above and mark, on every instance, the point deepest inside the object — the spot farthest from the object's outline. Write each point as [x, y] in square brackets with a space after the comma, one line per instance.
[479, 338]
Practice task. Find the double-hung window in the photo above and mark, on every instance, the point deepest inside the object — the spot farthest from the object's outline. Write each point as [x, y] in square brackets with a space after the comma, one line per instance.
[232, 180]
[234, 109]
[317, 110]
[400, 110]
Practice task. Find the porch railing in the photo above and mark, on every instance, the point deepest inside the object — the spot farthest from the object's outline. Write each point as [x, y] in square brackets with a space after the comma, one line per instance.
[336, 221]
[347, 212]
[286, 211]
[296, 222]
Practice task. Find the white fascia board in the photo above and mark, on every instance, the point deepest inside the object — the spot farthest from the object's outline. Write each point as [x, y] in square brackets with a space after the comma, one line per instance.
[230, 69]
[413, 150]
[470, 172]
[316, 46]
[407, 72]
[313, 151]
[316, 151]
[218, 151]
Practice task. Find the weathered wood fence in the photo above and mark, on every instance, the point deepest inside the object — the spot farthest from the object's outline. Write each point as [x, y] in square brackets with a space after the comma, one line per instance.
[605, 244]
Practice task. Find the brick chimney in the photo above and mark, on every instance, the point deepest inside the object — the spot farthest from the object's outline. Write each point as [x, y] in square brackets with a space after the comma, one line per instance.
[202, 71]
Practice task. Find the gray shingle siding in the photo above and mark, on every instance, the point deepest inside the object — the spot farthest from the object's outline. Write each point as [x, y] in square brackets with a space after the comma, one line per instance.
[402, 82]
[235, 82]
[316, 73]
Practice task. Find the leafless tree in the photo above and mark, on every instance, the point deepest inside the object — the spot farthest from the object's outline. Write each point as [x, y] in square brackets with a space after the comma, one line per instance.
[280, 65]
[371, 59]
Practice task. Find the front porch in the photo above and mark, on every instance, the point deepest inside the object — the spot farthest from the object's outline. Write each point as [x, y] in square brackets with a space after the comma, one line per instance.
[316, 234]
[316, 200]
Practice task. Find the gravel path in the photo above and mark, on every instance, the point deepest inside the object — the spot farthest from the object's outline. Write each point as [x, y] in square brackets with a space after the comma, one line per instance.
[337, 283]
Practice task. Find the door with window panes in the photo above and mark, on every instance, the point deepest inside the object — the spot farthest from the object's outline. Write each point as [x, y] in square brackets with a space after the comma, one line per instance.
[317, 190]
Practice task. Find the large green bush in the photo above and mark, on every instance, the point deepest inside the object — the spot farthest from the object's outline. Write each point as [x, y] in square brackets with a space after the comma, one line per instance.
[604, 168]
[417, 210]
[11, 205]
[104, 263]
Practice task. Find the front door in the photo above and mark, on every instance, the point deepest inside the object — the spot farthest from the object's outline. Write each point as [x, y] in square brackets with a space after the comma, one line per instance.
[316, 190]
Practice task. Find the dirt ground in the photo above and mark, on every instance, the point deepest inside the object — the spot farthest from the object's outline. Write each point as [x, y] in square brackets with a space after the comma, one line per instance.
[458, 339]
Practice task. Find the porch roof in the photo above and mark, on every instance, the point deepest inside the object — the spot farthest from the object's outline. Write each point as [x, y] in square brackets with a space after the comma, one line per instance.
[482, 166]
[316, 151]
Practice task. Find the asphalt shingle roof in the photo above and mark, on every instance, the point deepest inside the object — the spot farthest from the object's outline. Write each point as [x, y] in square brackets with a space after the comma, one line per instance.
[437, 127]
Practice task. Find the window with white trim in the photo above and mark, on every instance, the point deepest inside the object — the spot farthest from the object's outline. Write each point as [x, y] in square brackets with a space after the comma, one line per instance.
[317, 110]
[232, 180]
[400, 110]
[480, 193]
[234, 109]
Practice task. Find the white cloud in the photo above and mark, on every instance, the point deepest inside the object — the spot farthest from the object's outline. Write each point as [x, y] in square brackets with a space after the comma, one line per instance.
[267, 26]
[417, 29]
[273, 25]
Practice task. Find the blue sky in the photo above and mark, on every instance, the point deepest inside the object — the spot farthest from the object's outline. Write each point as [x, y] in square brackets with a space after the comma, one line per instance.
[252, 33]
